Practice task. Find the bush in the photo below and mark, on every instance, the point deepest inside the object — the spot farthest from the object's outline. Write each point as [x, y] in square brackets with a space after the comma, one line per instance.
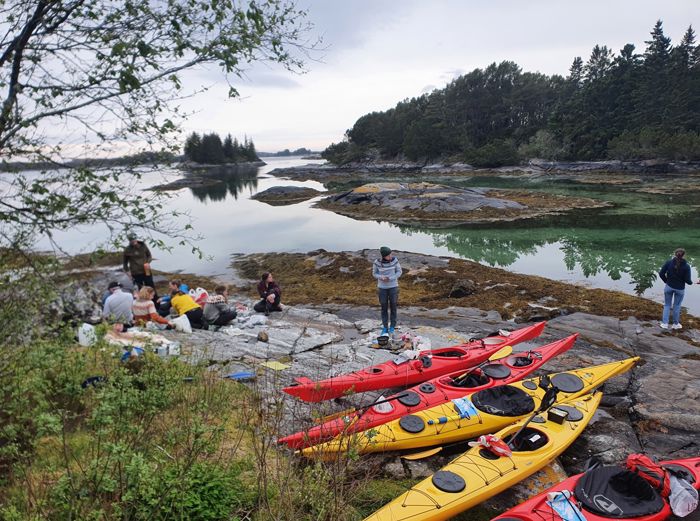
[494, 154]
[141, 444]
[649, 143]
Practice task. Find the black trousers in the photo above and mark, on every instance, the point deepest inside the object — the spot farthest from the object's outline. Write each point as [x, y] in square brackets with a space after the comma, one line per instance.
[264, 305]
[224, 318]
[142, 280]
[196, 318]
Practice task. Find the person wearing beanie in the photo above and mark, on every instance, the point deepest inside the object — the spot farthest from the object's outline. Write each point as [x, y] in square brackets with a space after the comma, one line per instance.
[137, 260]
[676, 274]
[387, 271]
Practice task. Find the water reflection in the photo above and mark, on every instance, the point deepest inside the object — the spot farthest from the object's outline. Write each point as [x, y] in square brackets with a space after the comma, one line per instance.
[233, 180]
[637, 251]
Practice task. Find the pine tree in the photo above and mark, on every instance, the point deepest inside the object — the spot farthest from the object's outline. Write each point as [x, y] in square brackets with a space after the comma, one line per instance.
[576, 72]
[212, 149]
[251, 154]
[598, 64]
[192, 147]
[229, 151]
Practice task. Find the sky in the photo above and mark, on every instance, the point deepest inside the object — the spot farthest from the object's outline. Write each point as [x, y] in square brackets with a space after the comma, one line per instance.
[375, 53]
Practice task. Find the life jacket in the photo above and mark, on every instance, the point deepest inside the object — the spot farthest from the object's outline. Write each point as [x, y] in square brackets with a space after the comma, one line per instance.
[655, 474]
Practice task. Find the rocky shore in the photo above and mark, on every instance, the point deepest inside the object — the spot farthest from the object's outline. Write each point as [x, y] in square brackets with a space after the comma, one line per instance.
[440, 205]
[655, 408]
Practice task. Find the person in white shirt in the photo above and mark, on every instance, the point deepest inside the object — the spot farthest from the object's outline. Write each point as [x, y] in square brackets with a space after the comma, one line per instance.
[118, 306]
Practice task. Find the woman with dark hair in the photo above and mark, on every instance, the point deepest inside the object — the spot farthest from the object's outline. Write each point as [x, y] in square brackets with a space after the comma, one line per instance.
[676, 274]
[270, 293]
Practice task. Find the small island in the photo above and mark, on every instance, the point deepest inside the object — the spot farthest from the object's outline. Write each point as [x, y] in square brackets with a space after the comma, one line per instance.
[284, 195]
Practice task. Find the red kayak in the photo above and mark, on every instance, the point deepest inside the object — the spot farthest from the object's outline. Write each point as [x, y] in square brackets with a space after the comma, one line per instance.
[604, 493]
[402, 373]
[433, 392]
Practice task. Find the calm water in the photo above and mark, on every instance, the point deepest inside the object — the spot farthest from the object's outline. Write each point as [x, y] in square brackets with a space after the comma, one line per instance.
[620, 248]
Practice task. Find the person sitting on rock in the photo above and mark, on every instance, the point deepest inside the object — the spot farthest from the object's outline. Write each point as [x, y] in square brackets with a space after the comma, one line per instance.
[217, 311]
[270, 293]
[145, 311]
[164, 301]
[118, 306]
[183, 304]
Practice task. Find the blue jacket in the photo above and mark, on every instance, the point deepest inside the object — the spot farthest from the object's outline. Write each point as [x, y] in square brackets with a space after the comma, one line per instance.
[676, 278]
[390, 270]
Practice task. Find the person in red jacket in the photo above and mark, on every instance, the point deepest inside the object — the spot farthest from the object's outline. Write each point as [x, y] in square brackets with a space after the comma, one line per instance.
[270, 293]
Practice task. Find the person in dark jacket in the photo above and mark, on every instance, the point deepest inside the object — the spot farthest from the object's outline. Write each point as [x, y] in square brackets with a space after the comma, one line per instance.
[676, 274]
[137, 262]
[270, 293]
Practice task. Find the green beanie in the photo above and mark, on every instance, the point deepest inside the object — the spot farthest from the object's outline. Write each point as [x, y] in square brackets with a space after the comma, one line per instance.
[385, 250]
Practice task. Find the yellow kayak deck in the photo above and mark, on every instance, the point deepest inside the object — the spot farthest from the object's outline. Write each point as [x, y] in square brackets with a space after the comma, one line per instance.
[460, 419]
[477, 475]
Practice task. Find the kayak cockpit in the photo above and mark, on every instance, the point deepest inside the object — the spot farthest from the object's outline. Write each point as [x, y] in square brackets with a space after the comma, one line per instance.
[614, 492]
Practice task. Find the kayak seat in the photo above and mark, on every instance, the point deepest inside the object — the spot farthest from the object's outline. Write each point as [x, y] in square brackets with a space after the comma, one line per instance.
[613, 492]
[470, 380]
[504, 400]
[527, 441]
[520, 361]
[449, 354]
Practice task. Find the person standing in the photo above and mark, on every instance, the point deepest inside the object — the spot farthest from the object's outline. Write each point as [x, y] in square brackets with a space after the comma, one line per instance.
[387, 271]
[137, 262]
[270, 293]
[676, 274]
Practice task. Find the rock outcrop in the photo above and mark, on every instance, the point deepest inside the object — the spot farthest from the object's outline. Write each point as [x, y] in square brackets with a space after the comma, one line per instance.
[284, 195]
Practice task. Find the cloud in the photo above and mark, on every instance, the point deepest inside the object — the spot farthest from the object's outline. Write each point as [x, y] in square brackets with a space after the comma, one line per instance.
[270, 79]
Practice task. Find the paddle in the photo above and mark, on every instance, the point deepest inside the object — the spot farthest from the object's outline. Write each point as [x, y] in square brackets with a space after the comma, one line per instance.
[421, 455]
[501, 353]
[549, 398]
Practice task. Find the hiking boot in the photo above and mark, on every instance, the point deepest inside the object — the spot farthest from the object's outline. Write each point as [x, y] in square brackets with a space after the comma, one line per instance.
[663, 325]
[676, 326]
[384, 332]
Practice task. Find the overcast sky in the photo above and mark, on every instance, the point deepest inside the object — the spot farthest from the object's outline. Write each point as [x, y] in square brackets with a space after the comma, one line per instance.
[378, 52]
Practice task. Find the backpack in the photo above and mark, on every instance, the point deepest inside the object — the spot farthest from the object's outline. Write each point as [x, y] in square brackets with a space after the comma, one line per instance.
[655, 474]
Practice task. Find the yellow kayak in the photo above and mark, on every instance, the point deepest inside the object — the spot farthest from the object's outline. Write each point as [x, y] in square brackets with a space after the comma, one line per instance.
[460, 419]
[477, 475]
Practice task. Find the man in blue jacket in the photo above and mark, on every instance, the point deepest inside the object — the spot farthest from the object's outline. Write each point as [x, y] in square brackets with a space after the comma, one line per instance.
[387, 271]
[676, 274]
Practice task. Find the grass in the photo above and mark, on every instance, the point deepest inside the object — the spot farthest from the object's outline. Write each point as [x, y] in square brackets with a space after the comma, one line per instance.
[304, 281]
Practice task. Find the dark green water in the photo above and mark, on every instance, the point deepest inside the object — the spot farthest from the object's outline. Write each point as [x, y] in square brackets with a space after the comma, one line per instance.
[620, 247]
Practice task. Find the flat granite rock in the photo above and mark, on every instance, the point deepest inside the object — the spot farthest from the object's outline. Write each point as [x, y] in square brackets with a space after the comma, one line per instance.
[284, 195]
[423, 197]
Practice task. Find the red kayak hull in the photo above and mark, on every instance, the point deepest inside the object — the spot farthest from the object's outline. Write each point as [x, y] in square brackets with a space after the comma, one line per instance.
[428, 394]
[536, 508]
[390, 374]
